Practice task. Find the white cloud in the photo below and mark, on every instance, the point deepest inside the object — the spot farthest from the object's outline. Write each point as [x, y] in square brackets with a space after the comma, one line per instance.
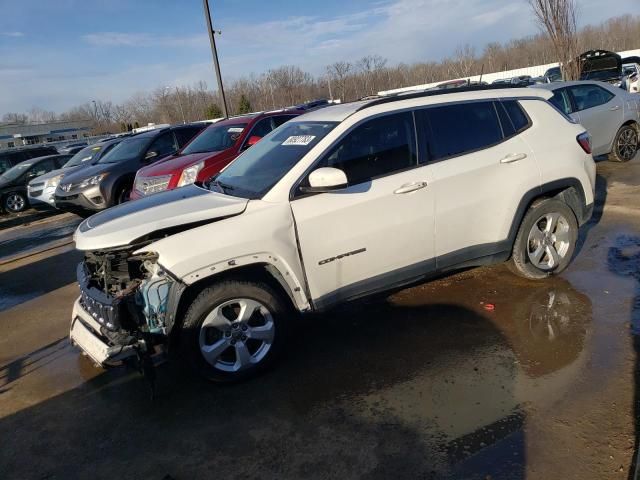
[399, 30]
[12, 34]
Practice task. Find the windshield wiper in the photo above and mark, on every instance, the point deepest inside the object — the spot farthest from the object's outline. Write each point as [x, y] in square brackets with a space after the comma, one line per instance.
[220, 185]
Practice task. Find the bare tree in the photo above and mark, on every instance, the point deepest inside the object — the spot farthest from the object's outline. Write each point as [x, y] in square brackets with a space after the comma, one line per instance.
[339, 74]
[19, 118]
[558, 18]
[464, 61]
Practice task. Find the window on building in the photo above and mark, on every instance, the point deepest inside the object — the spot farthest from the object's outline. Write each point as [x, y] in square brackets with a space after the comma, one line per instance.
[11, 144]
[74, 136]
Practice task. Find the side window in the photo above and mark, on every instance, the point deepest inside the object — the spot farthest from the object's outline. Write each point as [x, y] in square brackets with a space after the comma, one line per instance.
[262, 128]
[163, 145]
[41, 168]
[589, 96]
[5, 164]
[462, 128]
[561, 101]
[184, 135]
[280, 119]
[507, 125]
[376, 148]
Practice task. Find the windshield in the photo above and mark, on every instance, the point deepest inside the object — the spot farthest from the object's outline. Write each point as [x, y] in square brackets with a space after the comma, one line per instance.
[258, 169]
[125, 150]
[16, 171]
[83, 156]
[215, 138]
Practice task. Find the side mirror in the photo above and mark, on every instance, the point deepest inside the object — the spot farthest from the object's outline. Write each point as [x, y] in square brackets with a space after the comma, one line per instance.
[325, 179]
[150, 155]
[253, 139]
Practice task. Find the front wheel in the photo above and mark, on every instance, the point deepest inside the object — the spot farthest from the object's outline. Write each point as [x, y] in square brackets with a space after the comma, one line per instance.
[123, 195]
[625, 145]
[15, 202]
[234, 330]
[545, 241]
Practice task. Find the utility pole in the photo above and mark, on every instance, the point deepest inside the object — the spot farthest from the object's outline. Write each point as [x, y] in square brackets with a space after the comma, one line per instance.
[214, 53]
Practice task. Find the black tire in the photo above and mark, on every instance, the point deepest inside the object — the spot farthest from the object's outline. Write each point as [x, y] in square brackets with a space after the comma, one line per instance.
[207, 301]
[527, 244]
[625, 144]
[15, 202]
[123, 195]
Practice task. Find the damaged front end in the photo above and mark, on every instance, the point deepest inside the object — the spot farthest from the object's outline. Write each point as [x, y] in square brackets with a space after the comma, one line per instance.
[125, 305]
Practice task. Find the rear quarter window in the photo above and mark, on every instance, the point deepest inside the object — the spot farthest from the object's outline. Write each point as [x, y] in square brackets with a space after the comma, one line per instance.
[516, 114]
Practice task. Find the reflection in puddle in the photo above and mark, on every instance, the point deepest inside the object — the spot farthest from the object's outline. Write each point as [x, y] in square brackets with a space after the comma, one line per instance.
[486, 368]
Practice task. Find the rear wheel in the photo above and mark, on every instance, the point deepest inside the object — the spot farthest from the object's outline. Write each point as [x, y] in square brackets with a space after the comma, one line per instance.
[545, 241]
[234, 330]
[15, 202]
[625, 145]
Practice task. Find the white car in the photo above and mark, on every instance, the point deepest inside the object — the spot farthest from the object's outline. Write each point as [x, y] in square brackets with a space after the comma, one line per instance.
[610, 115]
[335, 205]
[631, 72]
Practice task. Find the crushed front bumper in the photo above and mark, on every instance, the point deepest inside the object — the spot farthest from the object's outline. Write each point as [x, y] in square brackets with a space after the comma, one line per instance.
[85, 334]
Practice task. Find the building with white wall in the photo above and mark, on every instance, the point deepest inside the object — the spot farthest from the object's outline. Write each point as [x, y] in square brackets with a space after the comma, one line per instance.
[18, 135]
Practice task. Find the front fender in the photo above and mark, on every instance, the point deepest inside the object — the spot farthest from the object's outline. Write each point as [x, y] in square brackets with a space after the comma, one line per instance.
[262, 235]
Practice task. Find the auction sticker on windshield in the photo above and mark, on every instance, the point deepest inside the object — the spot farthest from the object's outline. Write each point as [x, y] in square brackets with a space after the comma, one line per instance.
[235, 129]
[299, 140]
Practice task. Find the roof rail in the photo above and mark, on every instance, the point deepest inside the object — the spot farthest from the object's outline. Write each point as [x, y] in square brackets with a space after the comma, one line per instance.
[432, 93]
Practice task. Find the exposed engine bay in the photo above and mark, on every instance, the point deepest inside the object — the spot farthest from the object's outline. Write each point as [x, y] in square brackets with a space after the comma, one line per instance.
[130, 291]
[123, 307]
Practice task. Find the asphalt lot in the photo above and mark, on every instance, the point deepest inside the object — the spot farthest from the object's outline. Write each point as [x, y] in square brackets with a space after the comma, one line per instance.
[476, 375]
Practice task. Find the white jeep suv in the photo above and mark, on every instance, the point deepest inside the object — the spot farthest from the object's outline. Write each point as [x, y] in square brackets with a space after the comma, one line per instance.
[337, 204]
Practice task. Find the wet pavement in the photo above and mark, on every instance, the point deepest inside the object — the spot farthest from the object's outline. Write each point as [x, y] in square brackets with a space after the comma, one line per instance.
[33, 231]
[476, 375]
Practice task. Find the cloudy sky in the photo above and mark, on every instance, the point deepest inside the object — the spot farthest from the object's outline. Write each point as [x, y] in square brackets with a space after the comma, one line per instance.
[57, 54]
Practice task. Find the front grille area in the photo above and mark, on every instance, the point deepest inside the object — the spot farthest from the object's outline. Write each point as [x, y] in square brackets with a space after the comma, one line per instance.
[110, 311]
[35, 193]
[103, 314]
[150, 185]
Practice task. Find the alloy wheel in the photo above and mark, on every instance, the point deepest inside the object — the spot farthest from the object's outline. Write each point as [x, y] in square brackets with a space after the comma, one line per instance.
[15, 203]
[548, 241]
[627, 144]
[237, 334]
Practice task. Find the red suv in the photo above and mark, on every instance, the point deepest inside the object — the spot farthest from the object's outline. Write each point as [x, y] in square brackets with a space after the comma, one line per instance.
[209, 152]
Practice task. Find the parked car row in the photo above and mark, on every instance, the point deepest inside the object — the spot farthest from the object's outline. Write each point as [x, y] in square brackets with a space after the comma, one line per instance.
[159, 159]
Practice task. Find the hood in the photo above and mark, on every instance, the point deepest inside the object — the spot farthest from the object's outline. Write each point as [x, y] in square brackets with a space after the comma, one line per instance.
[175, 164]
[86, 172]
[155, 214]
[51, 174]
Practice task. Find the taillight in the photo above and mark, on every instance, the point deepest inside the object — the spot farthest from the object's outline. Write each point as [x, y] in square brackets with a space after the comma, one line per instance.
[585, 142]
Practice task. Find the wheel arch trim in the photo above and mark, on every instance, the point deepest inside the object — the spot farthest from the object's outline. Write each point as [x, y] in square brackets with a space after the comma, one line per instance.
[268, 263]
[569, 190]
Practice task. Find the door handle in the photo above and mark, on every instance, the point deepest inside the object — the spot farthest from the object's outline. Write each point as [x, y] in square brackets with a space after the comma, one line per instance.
[513, 157]
[613, 109]
[410, 187]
